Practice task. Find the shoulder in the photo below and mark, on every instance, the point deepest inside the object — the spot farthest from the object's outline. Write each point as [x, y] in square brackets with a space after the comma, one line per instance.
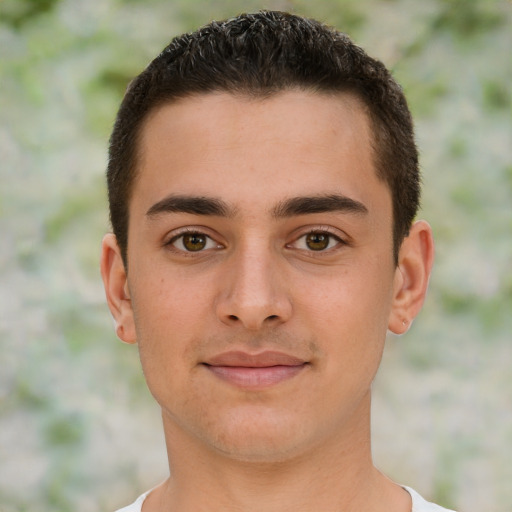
[419, 504]
[136, 506]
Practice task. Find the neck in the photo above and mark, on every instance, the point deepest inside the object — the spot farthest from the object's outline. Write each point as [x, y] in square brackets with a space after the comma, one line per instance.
[335, 475]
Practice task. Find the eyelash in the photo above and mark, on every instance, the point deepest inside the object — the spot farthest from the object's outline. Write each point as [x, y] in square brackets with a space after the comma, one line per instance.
[190, 231]
[320, 231]
[170, 244]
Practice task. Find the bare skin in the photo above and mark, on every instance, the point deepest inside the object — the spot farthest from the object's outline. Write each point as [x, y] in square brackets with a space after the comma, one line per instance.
[260, 287]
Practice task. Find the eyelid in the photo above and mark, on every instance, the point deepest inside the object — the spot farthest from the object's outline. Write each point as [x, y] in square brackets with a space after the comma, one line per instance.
[174, 235]
[341, 238]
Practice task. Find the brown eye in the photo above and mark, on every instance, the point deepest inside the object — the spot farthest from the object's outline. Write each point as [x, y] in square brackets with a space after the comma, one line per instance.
[194, 241]
[317, 241]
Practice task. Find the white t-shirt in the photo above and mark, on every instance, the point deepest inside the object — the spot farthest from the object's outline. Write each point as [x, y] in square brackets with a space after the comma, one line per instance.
[418, 504]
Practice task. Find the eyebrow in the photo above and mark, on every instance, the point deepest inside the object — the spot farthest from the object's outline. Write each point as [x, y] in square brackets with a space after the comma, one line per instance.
[196, 205]
[318, 204]
[304, 205]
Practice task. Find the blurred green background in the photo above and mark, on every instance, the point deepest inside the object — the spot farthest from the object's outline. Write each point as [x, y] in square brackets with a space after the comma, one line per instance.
[79, 431]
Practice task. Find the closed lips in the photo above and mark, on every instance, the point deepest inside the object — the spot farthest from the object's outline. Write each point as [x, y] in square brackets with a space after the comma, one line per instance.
[255, 370]
[261, 360]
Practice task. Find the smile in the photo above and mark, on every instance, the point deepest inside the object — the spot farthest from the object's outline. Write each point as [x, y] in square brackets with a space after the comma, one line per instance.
[255, 371]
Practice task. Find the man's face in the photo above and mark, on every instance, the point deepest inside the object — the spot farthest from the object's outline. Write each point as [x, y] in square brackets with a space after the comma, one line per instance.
[261, 272]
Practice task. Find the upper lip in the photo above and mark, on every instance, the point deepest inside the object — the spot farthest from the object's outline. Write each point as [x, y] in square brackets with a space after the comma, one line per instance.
[260, 360]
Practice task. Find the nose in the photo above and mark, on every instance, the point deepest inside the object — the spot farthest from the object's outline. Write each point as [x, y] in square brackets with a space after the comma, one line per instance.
[253, 291]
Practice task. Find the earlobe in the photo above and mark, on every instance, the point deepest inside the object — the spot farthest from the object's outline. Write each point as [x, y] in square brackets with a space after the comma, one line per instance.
[115, 282]
[412, 275]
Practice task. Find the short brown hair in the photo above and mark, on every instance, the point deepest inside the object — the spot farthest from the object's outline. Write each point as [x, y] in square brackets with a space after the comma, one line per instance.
[261, 54]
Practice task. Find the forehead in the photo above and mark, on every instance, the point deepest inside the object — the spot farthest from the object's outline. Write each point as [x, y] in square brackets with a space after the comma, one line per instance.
[231, 115]
[288, 143]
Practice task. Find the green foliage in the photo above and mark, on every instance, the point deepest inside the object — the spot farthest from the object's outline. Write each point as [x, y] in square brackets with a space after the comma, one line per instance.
[468, 18]
[27, 396]
[346, 15]
[18, 12]
[80, 395]
[496, 95]
[507, 173]
[458, 147]
[423, 95]
[457, 303]
[77, 208]
[113, 80]
[445, 480]
[65, 431]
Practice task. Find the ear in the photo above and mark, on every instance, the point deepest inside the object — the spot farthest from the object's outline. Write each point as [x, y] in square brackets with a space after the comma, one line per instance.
[412, 274]
[115, 282]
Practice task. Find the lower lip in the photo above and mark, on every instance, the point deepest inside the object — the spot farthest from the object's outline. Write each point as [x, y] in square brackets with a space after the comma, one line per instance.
[252, 378]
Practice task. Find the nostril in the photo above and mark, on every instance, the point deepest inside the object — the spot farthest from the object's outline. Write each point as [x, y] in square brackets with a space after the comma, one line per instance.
[233, 317]
[272, 317]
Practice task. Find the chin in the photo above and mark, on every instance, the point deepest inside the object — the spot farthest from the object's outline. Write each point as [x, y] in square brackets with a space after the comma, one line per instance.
[259, 441]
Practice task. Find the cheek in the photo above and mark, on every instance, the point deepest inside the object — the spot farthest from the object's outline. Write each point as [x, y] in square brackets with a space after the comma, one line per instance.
[357, 296]
[168, 315]
[167, 303]
[348, 314]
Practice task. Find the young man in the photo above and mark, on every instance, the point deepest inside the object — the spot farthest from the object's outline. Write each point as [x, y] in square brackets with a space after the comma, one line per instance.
[263, 182]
